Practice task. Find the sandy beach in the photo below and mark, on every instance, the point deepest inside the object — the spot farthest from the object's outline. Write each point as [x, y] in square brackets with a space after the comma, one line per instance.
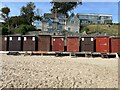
[58, 72]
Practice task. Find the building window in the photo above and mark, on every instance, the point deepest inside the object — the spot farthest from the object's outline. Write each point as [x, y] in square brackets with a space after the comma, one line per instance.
[72, 21]
[69, 29]
[76, 31]
[50, 24]
[60, 27]
[61, 20]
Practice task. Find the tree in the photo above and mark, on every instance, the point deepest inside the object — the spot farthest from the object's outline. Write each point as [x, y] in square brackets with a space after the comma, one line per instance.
[64, 7]
[37, 15]
[38, 18]
[15, 21]
[22, 29]
[5, 13]
[28, 12]
[4, 30]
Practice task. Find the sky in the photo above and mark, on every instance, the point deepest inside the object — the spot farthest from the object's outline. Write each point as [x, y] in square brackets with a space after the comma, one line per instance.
[85, 8]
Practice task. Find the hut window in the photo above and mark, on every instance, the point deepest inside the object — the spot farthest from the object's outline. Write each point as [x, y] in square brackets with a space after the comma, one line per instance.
[10, 38]
[25, 38]
[53, 39]
[19, 38]
[82, 39]
[5, 38]
[91, 39]
[33, 38]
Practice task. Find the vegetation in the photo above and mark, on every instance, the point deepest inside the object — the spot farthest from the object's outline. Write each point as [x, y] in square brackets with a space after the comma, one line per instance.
[4, 31]
[22, 23]
[84, 28]
[109, 29]
[28, 12]
[22, 29]
[64, 7]
[5, 13]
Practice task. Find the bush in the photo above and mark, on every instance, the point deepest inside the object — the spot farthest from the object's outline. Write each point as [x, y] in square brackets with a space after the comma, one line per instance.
[84, 28]
[30, 28]
[4, 30]
[22, 29]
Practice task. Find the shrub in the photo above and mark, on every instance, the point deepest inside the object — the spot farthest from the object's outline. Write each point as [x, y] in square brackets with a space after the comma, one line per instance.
[30, 28]
[22, 29]
[84, 28]
[4, 30]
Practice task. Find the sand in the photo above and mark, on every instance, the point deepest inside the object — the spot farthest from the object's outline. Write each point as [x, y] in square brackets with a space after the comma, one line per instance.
[58, 72]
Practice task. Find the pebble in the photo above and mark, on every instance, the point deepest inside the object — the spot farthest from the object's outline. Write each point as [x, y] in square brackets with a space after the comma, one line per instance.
[52, 72]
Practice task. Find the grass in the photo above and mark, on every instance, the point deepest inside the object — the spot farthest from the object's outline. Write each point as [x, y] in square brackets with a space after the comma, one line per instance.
[109, 29]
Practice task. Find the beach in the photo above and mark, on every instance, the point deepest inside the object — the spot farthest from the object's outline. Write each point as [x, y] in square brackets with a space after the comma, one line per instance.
[58, 72]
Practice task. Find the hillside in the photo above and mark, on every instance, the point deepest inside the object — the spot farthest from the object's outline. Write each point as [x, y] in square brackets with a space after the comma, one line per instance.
[109, 29]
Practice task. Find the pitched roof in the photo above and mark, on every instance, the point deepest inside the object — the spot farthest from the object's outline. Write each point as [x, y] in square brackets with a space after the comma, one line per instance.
[52, 15]
[49, 15]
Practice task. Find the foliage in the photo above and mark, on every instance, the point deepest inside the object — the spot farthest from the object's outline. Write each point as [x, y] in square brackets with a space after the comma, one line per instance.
[37, 15]
[30, 28]
[84, 28]
[109, 29]
[5, 13]
[22, 29]
[28, 12]
[37, 18]
[15, 21]
[64, 7]
[4, 30]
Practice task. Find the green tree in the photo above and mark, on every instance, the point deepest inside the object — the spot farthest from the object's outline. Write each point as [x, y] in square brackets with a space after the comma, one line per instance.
[4, 30]
[15, 21]
[37, 18]
[28, 12]
[37, 15]
[22, 29]
[5, 13]
[64, 7]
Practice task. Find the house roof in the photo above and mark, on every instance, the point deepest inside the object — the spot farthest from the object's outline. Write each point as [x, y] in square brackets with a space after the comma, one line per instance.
[45, 20]
[49, 15]
[95, 14]
[72, 17]
[52, 15]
